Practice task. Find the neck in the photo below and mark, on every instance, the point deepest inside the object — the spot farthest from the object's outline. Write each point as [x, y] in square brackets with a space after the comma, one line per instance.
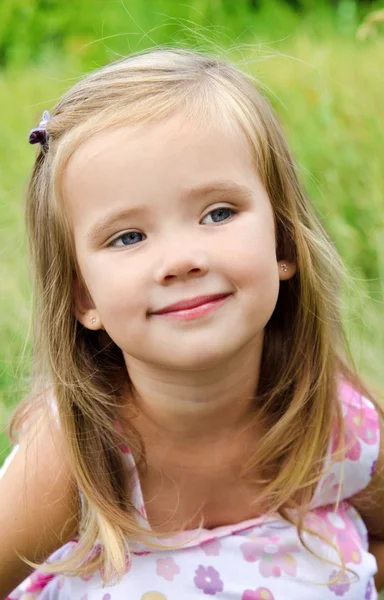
[178, 409]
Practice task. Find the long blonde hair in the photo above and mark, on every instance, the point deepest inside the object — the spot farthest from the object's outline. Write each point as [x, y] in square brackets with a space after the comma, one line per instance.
[304, 352]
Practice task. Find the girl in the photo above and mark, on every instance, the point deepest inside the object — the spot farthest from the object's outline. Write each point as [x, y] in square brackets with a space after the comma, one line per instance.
[196, 428]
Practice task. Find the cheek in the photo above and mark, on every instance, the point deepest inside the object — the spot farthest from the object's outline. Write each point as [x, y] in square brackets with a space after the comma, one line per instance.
[254, 270]
[260, 280]
[253, 254]
[114, 287]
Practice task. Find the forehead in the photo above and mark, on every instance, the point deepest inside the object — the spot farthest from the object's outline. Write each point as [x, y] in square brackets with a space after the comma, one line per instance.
[156, 158]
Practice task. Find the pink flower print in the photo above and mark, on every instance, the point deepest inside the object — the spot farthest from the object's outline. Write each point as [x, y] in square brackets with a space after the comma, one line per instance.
[167, 568]
[259, 594]
[274, 554]
[38, 581]
[342, 586]
[208, 580]
[361, 421]
[345, 535]
[211, 547]
[352, 444]
[338, 528]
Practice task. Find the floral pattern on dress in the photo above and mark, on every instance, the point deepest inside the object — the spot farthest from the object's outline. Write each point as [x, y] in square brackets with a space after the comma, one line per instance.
[339, 529]
[34, 585]
[167, 568]
[208, 580]
[274, 554]
[369, 591]
[340, 587]
[38, 581]
[360, 423]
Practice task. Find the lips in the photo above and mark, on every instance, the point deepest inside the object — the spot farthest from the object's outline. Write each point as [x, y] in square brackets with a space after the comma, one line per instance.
[191, 303]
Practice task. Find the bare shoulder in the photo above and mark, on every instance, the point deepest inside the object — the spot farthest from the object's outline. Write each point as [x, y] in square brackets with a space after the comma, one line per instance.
[39, 504]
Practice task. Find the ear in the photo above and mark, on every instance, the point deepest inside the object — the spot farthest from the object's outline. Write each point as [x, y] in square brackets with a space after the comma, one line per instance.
[287, 269]
[83, 306]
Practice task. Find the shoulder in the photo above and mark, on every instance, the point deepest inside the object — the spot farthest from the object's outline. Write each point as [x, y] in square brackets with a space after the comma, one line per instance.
[361, 424]
[39, 507]
[365, 420]
[42, 454]
[351, 472]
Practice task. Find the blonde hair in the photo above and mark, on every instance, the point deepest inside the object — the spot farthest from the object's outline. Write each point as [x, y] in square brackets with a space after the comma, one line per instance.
[304, 353]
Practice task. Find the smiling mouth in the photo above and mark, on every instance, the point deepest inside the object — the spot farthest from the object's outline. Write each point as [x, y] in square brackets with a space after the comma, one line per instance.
[200, 309]
[190, 303]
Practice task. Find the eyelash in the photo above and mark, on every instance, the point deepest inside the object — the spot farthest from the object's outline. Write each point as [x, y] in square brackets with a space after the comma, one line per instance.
[112, 244]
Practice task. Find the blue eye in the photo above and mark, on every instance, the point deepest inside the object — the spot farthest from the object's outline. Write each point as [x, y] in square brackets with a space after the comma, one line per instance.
[221, 214]
[127, 239]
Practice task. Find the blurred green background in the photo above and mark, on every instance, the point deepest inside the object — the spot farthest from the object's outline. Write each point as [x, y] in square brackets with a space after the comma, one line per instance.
[319, 62]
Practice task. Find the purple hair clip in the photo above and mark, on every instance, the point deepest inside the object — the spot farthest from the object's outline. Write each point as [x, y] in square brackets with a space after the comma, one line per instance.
[39, 134]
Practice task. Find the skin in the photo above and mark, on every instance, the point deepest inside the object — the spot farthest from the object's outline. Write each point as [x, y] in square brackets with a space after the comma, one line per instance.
[195, 380]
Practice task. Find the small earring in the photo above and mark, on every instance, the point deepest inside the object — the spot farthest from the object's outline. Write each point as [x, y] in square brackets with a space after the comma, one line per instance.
[284, 268]
[93, 320]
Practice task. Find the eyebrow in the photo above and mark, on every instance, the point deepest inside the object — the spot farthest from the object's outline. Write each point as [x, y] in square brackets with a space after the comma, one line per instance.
[228, 188]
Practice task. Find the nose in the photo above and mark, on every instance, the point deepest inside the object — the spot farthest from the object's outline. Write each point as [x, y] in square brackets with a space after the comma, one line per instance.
[181, 261]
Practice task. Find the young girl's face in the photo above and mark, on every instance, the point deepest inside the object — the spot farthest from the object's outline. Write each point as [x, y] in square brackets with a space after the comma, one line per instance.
[164, 213]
